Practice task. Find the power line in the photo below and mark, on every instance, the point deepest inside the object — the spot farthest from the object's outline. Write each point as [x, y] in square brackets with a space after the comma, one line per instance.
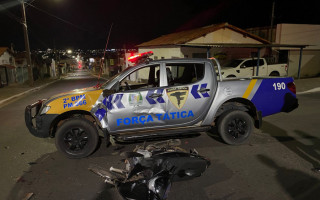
[10, 14]
[56, 17]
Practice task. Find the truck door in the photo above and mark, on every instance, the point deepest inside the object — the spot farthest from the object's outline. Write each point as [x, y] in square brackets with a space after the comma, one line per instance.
[249, 68]
[263, 67]
[189, 93]
[139, 100]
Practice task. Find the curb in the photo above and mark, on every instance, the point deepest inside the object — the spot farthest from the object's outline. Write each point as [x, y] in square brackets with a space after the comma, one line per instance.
[100, 77]
[31, 90]
[310, 91]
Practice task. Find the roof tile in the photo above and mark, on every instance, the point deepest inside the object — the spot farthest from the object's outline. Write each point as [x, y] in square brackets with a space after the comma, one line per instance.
[189, 35]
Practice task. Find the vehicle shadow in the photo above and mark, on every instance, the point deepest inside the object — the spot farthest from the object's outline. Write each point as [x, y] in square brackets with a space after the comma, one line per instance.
[298, 185]
[308, 149]
[214, 134]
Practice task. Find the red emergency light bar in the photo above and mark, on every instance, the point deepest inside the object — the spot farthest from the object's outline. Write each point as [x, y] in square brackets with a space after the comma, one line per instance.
[137, 57]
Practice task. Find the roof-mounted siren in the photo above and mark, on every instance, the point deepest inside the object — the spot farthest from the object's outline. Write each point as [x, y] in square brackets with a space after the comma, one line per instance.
[141, 57]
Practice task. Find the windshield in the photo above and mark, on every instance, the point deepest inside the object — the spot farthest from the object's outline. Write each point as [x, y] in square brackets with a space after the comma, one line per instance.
[114, 77]
[232, 63]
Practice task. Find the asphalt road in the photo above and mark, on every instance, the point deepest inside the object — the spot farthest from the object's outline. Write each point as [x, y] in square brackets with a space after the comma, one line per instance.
[276, 163]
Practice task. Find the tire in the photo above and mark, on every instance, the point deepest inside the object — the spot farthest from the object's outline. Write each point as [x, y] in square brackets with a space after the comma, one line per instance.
[77, 138]
[274, 74]
[235, 126]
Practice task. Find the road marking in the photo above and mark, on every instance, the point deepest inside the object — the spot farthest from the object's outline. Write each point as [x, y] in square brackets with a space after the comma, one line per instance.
[310, 91]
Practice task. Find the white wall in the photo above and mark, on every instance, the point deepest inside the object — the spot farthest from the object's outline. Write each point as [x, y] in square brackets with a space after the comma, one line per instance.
[5, 59]
[225, 36]
[304, 34]
[310, 63]
[167, 52]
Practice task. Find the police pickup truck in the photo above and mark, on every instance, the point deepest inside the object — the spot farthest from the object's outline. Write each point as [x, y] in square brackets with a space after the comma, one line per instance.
[156, 99]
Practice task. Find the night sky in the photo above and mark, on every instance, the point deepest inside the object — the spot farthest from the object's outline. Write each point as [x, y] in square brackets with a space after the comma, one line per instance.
[85, 24]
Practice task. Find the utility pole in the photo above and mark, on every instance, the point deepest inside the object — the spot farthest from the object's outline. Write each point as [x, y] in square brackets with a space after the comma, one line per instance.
[272, 18]
[26, 43]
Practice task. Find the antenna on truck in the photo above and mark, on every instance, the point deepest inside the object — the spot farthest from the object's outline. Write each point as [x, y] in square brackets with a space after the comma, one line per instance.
[104, 54]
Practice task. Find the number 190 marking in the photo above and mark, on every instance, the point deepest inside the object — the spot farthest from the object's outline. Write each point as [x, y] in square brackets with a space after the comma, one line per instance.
[279, 86]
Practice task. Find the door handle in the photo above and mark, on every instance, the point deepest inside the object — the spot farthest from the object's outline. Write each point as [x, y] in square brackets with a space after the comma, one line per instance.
[202, 90]
[155, 95]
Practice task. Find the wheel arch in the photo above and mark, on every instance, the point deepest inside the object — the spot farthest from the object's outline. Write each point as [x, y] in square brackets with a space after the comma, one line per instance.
[70, 114]
[274, 73]
[240, 104]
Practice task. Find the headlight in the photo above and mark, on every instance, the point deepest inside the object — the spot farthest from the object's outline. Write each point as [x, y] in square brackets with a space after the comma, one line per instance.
[45, 109]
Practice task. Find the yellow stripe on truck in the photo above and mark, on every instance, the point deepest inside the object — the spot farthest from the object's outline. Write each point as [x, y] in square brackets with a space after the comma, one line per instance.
[250, 88]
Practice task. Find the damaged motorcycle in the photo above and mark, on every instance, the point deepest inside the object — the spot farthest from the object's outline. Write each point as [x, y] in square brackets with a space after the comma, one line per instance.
[150, 170]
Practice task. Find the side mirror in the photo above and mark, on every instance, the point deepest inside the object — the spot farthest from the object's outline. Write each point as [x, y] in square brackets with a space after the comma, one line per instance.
[242, 66]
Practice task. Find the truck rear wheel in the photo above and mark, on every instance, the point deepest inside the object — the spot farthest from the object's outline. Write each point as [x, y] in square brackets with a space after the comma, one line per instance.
[235, 126]
[77, 138]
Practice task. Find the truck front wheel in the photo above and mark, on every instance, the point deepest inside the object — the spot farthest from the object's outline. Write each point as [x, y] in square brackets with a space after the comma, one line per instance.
[77, 138]
[235, 126]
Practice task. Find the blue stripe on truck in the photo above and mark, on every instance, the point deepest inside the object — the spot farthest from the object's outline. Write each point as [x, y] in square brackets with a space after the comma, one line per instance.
[270, 96]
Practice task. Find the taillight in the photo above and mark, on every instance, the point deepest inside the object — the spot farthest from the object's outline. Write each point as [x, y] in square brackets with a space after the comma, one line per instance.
[292, 87]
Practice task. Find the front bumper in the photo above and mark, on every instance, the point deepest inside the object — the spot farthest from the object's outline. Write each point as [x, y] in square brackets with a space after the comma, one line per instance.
[43, 122]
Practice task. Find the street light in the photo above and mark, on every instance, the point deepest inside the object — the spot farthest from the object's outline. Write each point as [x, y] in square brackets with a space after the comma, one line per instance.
[26, 43]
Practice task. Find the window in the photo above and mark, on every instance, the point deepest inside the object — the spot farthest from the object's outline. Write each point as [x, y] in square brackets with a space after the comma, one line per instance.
[146, 77]
[179, 74]
[252, 63]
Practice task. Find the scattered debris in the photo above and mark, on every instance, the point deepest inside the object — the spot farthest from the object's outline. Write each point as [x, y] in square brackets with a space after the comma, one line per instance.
[22, 153]
[150, 170]
[20, 179]
[118, 147]
[32, 163]
[47, 156]
[6, 147]
[28, 196]
[317, 169]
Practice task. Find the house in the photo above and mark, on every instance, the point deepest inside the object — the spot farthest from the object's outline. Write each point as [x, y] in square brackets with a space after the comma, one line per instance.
[7, 67]
[179, 45]
[21, 67]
